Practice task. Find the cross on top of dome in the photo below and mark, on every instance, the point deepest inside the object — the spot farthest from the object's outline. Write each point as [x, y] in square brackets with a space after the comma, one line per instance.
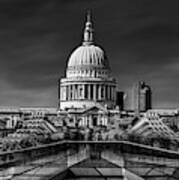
[88, 38]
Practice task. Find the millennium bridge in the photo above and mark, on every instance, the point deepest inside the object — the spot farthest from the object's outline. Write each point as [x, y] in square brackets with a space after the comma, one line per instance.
[87, 160]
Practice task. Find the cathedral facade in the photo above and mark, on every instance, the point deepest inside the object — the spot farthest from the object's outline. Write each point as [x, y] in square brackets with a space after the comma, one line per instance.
[88, 81]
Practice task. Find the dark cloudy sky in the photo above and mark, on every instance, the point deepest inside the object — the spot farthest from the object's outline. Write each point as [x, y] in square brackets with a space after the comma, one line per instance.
[141, 39]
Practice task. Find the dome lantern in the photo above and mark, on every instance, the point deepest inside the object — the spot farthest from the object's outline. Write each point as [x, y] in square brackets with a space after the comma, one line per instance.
[88, 31]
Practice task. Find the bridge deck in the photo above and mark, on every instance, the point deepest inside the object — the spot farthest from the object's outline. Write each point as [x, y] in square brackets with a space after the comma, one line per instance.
[58, 158]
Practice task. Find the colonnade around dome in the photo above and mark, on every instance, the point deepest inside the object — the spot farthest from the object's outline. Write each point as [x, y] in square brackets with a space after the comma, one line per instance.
[87, 91]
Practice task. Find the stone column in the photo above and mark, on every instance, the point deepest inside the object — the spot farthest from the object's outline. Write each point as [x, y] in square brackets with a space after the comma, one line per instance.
[104, 92]
[94, 91]
[67, 92]
[64, 93]
[109, 92]
[90, 121]
[89, 92]
[79, 93]
[105, 121]
[99, 92]
[83, 92]
[73, 92]
[100, 116]
[97, 87]
[106, 95]
[98, 119]
[112, 92]
[86, 121]
[70, 92]
[101, 122]
[76, 95]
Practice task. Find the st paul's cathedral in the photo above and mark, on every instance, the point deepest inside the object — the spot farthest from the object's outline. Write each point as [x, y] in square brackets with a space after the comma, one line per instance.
[87, 93]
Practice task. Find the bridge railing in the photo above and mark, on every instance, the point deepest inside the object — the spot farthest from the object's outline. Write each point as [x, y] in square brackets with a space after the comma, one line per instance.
[70, 148]
[133, 148]
[22, 156]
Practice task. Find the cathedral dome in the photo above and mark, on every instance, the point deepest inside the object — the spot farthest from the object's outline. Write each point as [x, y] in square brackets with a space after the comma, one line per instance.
[88, 80]
[88, 60]
[88, 55]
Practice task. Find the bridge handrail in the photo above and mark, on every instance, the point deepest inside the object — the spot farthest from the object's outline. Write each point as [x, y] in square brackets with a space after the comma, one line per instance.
[89, 142]
[32, 148]
[128, 147]
[124, 142]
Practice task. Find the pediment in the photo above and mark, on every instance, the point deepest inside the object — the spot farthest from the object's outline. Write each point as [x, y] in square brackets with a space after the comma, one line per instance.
[96, 109]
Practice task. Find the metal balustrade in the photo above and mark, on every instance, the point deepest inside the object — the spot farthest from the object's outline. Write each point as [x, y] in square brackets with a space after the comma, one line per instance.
[73, 147]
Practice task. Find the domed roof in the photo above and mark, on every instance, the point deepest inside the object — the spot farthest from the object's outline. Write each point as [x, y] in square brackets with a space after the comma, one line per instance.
[88, 54]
